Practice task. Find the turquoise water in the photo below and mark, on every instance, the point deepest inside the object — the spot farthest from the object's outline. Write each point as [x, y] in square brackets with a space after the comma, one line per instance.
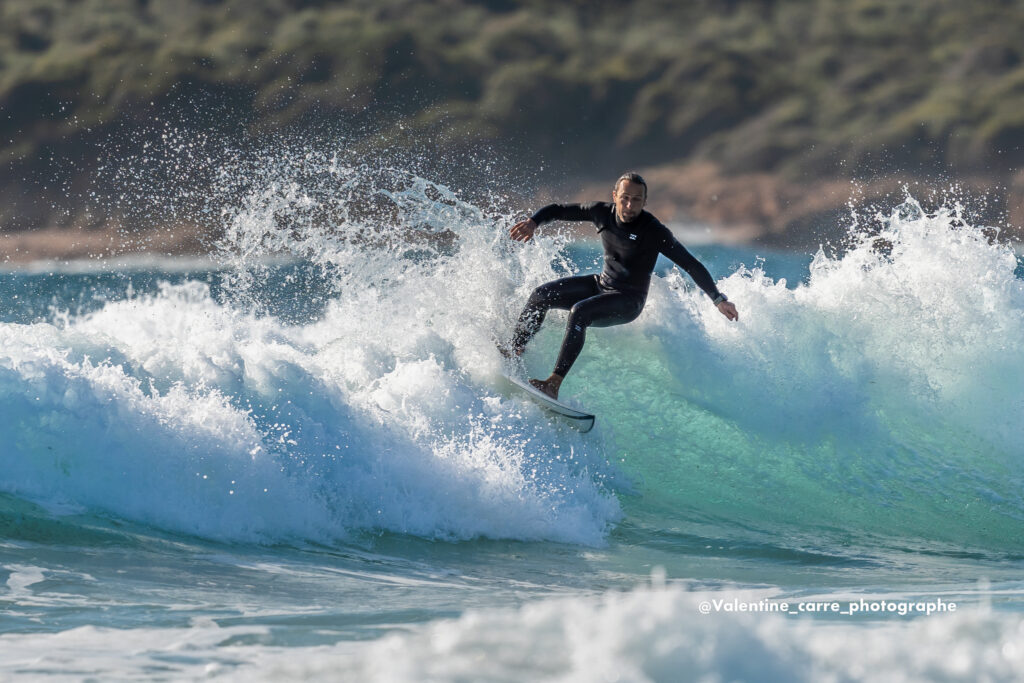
[296, 460]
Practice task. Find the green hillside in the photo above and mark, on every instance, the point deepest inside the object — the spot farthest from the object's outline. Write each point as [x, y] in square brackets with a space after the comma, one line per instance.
[803, 90]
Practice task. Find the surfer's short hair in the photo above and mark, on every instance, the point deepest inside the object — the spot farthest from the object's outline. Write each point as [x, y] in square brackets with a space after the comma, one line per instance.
[631, 177]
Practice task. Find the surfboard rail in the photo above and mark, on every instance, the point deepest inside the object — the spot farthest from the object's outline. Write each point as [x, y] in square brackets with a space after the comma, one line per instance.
[579, 419]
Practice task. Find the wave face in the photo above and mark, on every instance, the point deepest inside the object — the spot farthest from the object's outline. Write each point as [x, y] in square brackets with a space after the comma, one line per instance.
[880, 396]
[337, 375]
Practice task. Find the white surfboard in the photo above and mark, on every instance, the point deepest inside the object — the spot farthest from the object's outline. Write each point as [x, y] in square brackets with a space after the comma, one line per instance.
[577, 418]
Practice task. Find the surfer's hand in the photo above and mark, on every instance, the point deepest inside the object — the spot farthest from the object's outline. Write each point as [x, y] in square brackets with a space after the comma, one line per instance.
[523, 230]
[728, 309]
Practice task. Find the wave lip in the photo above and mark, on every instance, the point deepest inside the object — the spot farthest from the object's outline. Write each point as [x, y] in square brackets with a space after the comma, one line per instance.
[208, 414]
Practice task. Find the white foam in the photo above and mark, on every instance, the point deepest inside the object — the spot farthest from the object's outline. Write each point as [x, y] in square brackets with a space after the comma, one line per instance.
[661, 635]
[197, 415]
[643, 635]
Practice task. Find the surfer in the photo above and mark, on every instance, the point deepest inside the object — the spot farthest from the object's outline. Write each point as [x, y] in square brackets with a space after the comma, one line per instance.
[632, 240]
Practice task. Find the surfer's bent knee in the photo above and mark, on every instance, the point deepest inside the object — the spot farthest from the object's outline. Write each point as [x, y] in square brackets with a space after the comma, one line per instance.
[579, 317]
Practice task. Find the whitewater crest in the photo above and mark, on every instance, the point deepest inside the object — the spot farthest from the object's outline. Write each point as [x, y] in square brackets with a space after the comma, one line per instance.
[379, 412]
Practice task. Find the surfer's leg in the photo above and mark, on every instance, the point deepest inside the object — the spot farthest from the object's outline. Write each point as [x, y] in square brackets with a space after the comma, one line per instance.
[562, 294]
[603, 310]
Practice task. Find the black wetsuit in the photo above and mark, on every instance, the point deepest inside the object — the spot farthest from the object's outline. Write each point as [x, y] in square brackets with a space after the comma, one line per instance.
[618, 294]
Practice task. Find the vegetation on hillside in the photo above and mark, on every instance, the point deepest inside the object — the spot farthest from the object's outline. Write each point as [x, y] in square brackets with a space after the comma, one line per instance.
[792, 87]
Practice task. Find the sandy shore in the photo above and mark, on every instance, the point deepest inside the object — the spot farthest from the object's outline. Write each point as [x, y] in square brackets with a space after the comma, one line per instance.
[72, 244]
[740, 209]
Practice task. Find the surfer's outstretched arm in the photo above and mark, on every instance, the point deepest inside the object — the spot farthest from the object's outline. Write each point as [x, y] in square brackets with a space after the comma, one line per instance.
[679, 255]
[523, 230]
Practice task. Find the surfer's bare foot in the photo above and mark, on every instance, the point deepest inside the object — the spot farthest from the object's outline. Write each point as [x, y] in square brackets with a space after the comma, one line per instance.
[549, 386]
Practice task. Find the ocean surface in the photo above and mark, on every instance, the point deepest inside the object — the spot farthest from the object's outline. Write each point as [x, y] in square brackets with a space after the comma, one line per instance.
[296, 460]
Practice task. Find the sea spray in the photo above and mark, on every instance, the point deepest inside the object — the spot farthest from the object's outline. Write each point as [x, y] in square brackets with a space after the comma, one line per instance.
[380, 413]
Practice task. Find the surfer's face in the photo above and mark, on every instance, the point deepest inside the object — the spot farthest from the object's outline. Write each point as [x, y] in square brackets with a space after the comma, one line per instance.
[629, 198]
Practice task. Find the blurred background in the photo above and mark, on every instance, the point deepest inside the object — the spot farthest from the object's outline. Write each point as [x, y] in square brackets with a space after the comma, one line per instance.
[763, 119]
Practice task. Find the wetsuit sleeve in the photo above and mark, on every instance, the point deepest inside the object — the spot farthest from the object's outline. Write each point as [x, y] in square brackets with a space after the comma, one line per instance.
[564, 212]
[679, 255]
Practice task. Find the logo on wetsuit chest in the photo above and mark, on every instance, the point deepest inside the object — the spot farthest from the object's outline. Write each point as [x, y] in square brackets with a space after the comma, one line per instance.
[632, 236]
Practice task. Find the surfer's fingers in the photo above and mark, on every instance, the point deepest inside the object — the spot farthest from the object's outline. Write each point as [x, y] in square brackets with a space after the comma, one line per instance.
[521, 231]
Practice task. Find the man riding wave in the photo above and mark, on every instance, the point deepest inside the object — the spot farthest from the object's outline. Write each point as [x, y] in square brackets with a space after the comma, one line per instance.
[632, 239]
